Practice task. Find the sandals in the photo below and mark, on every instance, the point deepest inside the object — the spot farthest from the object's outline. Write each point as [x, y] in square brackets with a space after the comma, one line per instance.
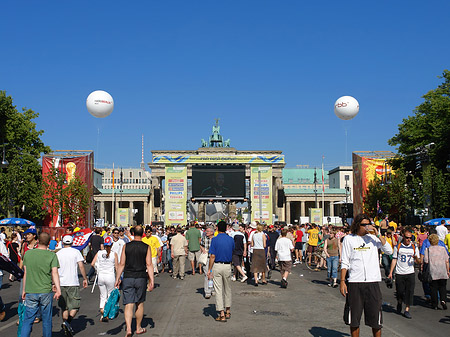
[228, 315]
[221, 319]
[143, 330]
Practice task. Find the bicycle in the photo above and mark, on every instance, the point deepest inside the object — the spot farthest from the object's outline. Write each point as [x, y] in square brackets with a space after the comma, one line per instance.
[318, 258]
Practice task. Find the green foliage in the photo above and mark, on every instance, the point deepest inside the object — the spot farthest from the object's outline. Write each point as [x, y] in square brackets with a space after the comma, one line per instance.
[73, 197]
[392, 197]
[52, 192]
[20, 182]
[429, 186]
[76, 199]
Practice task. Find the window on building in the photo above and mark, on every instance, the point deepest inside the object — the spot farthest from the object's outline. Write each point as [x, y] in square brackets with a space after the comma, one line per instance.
[347, 177]
[111, 174]
[140, 174]
[131, 174]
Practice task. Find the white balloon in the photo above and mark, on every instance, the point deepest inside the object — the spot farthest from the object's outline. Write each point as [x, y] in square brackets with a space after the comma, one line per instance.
[346, 107]
[100, 104]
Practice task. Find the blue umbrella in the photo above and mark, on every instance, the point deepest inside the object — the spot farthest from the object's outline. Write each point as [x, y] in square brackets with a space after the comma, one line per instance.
[16, 222]
[435, 222]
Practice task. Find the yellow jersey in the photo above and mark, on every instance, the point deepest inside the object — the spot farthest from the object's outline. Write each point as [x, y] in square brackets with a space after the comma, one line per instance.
[153, 242]
[313, 237]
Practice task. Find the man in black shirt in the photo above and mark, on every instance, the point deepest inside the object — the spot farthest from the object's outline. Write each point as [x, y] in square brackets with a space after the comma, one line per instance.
[171, 234]
[136, 265]
[95, 244]
[273, 237]
[240, 250]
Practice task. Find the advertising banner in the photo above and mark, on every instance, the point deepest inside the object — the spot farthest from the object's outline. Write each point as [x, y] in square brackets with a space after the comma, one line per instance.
[316, 216]
[364, 171]
[261, 184]
[69, 166]
[123, 214]
[175, 195]
[219, 158]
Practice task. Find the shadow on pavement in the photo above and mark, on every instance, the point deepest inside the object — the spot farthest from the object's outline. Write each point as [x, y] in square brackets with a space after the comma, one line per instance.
[201, 291]
[210, 310]
[324, 332]
[147, 323]
[80, 323]
[320, 282]
[445, 320]
[386, 307]
[10, 313]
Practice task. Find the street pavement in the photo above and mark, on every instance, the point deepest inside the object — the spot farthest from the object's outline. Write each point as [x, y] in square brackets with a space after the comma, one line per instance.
[308, 307]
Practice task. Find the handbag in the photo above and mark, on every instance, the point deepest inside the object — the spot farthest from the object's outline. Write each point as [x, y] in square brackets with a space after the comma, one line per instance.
[89, 256]
[203, 258]
[425, 275]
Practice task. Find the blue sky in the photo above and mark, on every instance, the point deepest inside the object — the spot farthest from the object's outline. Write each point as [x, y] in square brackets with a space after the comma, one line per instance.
[270, 70]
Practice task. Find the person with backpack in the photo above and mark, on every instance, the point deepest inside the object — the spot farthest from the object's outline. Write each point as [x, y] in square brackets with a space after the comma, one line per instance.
[405, 253]
[106, 262]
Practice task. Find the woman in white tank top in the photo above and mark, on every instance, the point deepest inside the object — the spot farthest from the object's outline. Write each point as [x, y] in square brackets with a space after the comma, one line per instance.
[106, 264]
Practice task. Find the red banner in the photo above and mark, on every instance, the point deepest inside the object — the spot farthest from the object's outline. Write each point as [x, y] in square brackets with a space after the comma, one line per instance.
[81, 165]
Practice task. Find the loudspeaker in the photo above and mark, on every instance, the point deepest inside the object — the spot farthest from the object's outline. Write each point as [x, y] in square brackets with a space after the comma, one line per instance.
[280, 200]
[157, 197]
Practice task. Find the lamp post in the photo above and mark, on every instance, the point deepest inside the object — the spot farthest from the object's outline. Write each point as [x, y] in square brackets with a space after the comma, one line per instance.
[4, 161]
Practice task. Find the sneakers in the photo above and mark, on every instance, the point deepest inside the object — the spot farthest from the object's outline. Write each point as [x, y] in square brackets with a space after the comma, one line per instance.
[335, 285]
[181, 278]
[407, 314]
[244, 279]
[284, 283]
[208, 296]
[444, 306]
[68, 331]
[330, 284]
[269, 274]
[233, 278]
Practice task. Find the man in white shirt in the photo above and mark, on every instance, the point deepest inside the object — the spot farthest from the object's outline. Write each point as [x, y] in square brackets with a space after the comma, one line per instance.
[441, 231]
[360, 259]
[69, 258]
[3, 251]
[284, 248]
[118, 243]
[405, 253]
[3, 235]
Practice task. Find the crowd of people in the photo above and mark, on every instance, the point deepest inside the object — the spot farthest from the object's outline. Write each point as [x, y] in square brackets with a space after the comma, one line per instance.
[130, 258]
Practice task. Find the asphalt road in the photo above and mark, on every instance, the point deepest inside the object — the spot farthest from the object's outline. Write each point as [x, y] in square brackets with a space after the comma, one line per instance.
[308, 307]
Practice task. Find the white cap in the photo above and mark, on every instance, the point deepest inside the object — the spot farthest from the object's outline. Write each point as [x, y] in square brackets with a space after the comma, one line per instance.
[67, 239]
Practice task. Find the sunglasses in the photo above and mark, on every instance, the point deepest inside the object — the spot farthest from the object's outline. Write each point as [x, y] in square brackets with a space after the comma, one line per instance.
[408, 237]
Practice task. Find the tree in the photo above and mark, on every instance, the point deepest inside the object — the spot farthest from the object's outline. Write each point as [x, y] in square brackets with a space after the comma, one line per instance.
[52, 192]
[20, 181]
[391, 197]
[423, 141]
[76, 200]
[71, 198]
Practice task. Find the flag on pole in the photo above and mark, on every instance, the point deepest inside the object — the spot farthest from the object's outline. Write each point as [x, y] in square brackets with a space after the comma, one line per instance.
[113, 179]
[323, 181]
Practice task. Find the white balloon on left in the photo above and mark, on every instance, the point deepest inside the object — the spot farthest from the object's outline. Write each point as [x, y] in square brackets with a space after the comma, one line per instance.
[100, 104]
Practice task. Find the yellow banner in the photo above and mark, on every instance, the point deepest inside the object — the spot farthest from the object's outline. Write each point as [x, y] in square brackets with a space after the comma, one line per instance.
[175, 195]
[123, 216]
[261, 185]
[316, 216]
[220, 158]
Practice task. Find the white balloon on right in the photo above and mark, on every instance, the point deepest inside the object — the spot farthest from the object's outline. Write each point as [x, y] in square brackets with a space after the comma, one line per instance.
[346, 107]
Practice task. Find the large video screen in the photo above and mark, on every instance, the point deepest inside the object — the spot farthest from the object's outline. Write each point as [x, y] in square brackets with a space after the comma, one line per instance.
[218, 181]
